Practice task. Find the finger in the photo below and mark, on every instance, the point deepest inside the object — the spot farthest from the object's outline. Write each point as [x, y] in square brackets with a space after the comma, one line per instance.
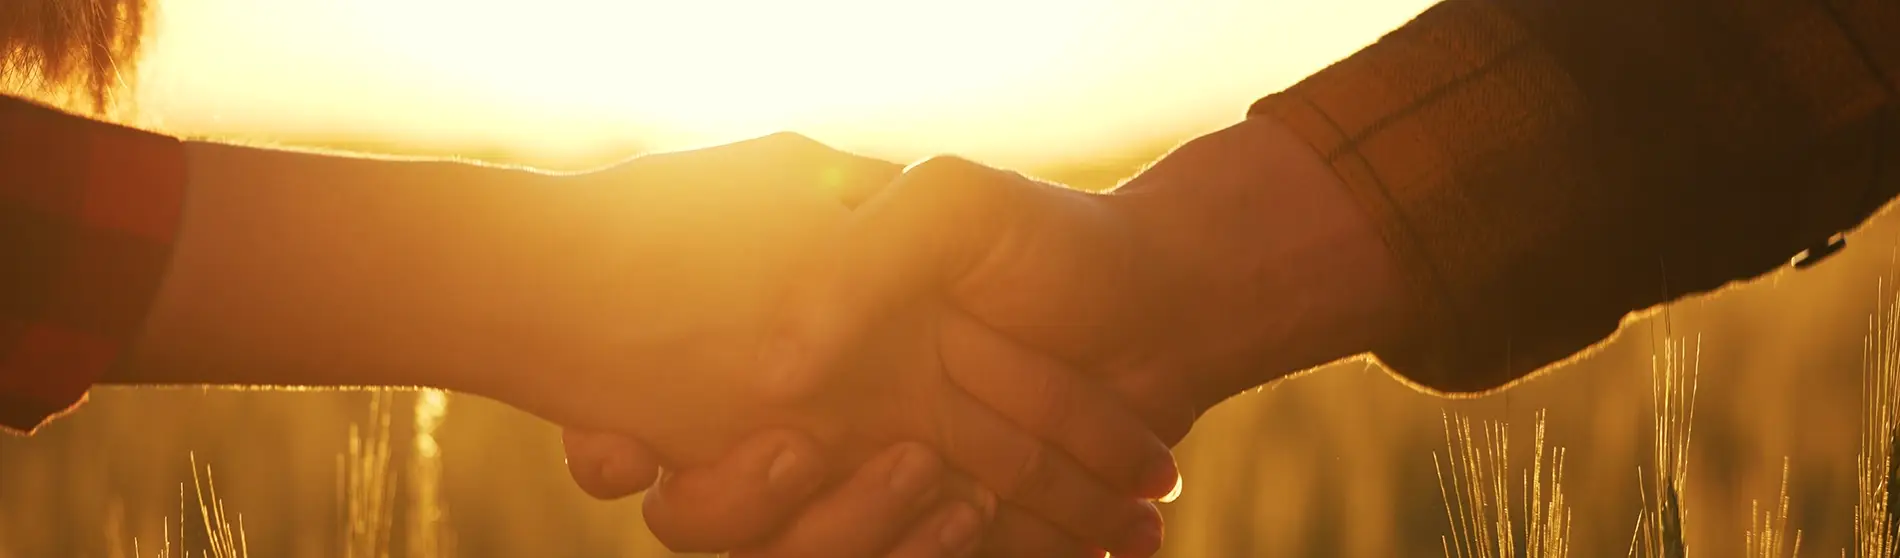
[929, 225]
[1042, 479]
[1015, 532]
[750, 493]
[952, 531]
[1054, 402]
[606, 465]
[866, 514]
[1162, 405]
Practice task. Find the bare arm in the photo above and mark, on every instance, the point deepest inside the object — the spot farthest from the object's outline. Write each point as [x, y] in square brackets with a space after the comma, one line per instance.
[319, 270]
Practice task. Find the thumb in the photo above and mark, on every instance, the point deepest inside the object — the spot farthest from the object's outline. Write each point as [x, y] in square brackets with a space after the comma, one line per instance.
[926, 229]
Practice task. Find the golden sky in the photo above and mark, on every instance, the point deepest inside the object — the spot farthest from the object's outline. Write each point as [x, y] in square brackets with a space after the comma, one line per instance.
[1011, 82]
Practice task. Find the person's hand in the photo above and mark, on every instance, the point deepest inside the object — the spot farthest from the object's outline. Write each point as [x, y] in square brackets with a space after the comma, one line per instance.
[1236, 260]
[691, 276]
[743, 501]
[610, 465]
[1061, 509]
[764, 499]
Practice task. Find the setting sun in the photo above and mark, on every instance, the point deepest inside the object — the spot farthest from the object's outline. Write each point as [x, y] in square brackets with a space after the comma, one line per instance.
[1016, 83]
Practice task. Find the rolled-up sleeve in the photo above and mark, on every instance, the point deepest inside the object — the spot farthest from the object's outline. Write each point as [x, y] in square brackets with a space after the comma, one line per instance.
[1544, 168]
[88, 216]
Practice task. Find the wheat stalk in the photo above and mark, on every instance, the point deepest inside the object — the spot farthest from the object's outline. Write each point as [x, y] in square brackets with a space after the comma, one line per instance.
[1875, 526]
[1673, 375]
[225, 539]
[1476, 493]
[1769, 529]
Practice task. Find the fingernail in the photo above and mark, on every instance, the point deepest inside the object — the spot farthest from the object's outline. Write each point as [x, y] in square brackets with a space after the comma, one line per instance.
[916, 470]
[1173, 494]
[789, 472]
[959, 530]
[1162, 479]
[1144, 536]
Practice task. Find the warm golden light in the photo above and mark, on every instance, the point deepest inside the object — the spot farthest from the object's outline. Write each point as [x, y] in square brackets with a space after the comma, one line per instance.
[1013, 82]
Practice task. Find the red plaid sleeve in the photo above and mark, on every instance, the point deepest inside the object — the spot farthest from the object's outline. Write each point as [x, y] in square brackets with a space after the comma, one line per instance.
[88, 214]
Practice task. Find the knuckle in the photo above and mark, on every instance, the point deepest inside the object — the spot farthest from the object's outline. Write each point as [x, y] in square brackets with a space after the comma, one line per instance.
[780, 144]
[947, 179]
[966, 204]
[789, 139]
[943, 166]
[796, 151]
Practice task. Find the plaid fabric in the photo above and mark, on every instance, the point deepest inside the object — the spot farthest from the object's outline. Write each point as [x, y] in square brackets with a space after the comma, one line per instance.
[87, 217]
[1542, 168]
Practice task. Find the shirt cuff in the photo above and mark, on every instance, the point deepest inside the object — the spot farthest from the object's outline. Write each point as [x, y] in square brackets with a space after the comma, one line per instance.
[94, 237]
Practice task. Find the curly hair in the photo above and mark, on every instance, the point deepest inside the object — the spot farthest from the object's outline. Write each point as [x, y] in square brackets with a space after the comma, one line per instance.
[82, 48]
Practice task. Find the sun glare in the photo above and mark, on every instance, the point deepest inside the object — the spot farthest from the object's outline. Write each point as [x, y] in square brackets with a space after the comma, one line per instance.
[1012, 81]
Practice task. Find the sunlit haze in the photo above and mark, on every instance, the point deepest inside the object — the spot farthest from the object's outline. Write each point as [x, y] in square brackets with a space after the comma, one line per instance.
[1015, 82]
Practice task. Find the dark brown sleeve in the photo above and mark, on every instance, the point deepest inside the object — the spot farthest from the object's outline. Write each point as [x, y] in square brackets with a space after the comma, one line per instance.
[1545, 167]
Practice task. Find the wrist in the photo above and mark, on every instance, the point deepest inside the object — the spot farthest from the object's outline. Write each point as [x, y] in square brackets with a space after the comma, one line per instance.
[322, 270]
[1272, 267]
[512, 288]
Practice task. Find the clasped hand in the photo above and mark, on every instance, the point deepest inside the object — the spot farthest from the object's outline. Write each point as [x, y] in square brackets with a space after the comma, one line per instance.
[681, 358]
[1047, 345]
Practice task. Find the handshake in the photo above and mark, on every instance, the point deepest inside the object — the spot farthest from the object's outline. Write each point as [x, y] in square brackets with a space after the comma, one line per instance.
[827, 355]
[957, 339]
[1004, 362]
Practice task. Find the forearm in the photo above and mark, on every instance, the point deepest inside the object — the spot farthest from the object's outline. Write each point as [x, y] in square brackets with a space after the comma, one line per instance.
[1542, 169]
[133, 258]
[1280, 269]
[305, 269]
